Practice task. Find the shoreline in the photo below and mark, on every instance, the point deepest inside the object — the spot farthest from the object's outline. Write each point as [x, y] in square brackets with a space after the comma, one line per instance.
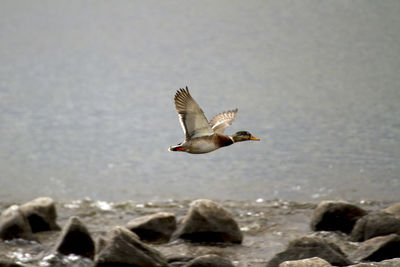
[267, 227]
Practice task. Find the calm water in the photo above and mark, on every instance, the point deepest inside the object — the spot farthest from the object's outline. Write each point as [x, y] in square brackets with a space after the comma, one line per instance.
[86, 99]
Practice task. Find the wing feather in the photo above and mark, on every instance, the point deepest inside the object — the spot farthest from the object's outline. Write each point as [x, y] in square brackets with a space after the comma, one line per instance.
[222, 120]
[193, 121]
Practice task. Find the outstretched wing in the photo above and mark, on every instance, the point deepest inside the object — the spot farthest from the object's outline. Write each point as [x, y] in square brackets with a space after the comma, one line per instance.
[194, 122]
[222, 120]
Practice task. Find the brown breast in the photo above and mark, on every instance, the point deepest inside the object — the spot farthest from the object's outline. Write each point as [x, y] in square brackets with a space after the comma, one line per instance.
[222, 140]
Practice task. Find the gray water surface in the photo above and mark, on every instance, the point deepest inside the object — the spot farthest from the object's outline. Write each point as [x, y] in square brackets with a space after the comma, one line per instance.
[86, 99]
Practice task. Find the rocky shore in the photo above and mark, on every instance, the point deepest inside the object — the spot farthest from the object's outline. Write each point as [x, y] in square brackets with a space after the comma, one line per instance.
[341, 234]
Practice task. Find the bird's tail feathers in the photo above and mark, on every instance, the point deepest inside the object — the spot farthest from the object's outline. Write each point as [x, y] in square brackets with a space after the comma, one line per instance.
[175, 148]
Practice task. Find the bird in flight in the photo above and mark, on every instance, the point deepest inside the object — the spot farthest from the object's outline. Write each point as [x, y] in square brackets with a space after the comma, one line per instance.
[202, 136]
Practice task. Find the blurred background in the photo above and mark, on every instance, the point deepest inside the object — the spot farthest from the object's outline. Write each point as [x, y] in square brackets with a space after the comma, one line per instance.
[86, 99]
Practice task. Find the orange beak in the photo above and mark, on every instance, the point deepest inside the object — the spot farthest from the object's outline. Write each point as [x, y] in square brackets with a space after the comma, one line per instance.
[254, 139]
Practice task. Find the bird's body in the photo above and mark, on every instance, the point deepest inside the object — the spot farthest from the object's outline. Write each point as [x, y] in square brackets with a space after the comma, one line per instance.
[203, 144]
[202, 136]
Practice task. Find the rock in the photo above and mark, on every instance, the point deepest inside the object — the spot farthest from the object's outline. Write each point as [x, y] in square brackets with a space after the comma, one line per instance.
[210, 261]
[154, 228]
[378, 249]
[311, 262]
[123, 248]
[336, 216]
[41, 214]
[179, 260]
[308, 247]
[101, 242]
[386, 263]
[31, 217]
[177, 264]
[13, 224]
[375, 224]
[207, 221]
[9, 264]
[393, 209]
[75, 239]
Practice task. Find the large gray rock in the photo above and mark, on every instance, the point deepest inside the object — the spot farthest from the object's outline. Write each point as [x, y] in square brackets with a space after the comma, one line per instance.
[375, 224]
[41, 214]
[207, 221]
[393, 209]
[378, 248]
[309, 247]
[34, 216]
[386, 263]
[13, 224]
[9, 264]
[311, 262]
[179, 260]
[336, 216]
[101, 243]
[123, 248]
[75, 239]
[157, 227]
[210, 261]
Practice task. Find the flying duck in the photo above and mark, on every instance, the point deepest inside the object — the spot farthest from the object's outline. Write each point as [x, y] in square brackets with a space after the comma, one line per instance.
[202, 136]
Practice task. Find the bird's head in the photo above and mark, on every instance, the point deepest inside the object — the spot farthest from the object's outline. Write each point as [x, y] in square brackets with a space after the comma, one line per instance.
[243, 136]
